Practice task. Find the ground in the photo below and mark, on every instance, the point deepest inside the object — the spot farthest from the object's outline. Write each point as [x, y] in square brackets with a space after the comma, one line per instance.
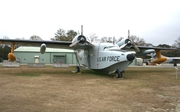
[58, 89]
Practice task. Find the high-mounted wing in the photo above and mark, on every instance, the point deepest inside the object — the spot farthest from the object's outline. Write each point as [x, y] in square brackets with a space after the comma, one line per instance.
[158, 48]
[41, 44]
[52, 44]
[79, 42]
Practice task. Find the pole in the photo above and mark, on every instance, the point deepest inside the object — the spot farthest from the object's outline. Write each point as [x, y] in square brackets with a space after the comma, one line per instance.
[176, 72]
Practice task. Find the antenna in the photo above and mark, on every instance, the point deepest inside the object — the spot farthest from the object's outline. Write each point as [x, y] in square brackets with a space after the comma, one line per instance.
[128, 34]
[81, 29]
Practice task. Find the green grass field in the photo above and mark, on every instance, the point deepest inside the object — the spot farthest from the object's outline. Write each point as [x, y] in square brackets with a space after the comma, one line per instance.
[58, 90]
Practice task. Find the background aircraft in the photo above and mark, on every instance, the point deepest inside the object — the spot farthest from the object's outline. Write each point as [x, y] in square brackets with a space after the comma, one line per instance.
[144, 50]
[173, 60]
[103, 57]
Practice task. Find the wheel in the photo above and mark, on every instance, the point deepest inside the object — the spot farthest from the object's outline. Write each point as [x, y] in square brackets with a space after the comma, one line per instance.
[175, 64]
[77, 69]
[118, 74]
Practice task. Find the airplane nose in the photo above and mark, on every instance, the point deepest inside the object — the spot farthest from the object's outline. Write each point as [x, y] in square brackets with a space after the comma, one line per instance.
[130, 57]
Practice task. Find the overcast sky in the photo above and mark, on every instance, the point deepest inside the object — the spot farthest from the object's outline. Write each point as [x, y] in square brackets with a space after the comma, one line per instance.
[156, 21]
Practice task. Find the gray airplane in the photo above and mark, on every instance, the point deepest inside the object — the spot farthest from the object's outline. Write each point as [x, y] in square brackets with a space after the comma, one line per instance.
[153, 56]
[103, 57]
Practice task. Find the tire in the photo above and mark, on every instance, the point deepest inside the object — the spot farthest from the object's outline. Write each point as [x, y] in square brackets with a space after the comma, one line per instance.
[118, 74]
[77, 69]
[175, 64]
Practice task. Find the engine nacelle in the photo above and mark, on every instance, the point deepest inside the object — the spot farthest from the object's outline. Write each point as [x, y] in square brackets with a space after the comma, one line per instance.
[42, 48]
[80, 39]
[148, 51]
[125, 41]
[11, 57]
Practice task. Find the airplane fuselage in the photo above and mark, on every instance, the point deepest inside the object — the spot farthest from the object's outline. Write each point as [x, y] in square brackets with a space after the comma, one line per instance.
[105, 57]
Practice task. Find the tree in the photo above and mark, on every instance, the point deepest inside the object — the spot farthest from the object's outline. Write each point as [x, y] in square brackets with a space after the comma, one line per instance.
[35, 37]
[21, 38]
[4, 50]
[5, 37]
[107, 39]
[177, 43]
[71, 34]
[164, 45]
[61, 35]
[137, 41]
[103, 40]
[110, 39]
[119, 39]
[92, 37]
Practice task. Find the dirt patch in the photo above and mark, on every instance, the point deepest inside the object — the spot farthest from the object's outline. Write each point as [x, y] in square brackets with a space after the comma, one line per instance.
[53, 89]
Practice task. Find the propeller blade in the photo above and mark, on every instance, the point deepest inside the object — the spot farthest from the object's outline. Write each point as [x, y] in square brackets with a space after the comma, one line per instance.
[73, 44]
[81, 29]
[128, 34]
[122, 46]
[137, 49]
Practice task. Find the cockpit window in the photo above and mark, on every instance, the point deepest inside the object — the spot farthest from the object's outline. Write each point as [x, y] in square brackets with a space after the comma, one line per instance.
[111, 47]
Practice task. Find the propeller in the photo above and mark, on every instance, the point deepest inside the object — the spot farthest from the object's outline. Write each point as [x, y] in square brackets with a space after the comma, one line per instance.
[133, 43]
[81, 39]
[125, 44]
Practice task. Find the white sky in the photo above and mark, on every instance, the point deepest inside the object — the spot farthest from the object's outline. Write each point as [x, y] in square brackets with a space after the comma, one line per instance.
[157, 21]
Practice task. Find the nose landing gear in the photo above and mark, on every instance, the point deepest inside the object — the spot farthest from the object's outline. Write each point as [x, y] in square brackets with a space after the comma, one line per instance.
[118, 74]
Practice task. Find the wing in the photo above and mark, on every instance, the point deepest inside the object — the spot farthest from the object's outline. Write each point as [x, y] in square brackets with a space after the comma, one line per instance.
[78, 43]
[146, 49]
[52, 44]
[155, 48]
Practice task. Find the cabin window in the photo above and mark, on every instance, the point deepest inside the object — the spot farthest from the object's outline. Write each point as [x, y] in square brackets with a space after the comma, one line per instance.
[110, 47]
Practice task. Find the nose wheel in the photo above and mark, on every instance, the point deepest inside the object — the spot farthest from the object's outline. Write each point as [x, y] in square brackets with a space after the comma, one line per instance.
[118, 74]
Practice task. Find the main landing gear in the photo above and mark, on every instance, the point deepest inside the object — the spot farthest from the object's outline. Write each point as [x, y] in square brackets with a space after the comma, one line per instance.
[118, 74]
[77, 69]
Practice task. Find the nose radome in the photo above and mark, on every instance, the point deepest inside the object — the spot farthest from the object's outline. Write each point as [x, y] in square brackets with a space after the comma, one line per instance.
[130, 57]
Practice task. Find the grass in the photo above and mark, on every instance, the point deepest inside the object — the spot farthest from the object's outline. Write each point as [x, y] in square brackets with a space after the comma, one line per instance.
[28, 74]
[58, 89]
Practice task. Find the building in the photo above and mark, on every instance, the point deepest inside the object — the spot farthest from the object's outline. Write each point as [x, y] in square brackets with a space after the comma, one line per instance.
[27, 55]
